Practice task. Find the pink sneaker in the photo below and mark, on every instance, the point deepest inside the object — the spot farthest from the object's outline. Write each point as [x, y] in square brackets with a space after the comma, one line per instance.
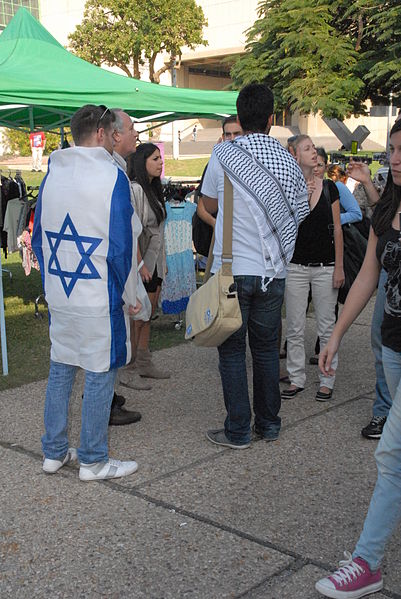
[352, 580]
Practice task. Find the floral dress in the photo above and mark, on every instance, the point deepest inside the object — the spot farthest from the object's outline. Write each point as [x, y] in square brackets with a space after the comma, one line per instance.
[180, 280]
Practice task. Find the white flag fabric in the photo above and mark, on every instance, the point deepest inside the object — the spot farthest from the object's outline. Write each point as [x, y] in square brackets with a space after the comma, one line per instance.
[83, 239]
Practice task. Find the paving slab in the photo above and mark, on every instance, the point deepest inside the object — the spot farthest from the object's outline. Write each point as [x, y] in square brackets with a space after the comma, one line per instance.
[313, 488]
[62, 538]
[196, 520]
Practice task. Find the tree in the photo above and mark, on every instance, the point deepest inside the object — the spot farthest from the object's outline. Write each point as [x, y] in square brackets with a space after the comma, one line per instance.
[17, 142]
[382, 58]
[126, 33]
[324, 56]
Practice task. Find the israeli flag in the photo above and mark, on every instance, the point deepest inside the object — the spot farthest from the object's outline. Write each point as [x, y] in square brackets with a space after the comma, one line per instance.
[83, 239]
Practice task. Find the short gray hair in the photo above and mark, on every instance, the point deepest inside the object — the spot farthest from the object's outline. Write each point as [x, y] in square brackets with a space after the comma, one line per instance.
[118, 123]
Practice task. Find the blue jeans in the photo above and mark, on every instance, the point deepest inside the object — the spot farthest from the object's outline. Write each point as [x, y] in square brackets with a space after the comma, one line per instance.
[382, 403]
[96, 403]
[261, 317]
[385, 506]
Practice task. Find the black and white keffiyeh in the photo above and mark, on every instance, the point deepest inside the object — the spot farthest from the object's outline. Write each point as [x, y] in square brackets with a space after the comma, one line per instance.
[271, 182]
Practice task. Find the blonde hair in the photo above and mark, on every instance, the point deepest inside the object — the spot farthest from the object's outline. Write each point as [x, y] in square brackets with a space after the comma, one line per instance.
[293, 142]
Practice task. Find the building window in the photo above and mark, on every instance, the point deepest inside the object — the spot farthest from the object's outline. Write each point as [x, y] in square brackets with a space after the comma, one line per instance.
[8, 8]
[282, 118]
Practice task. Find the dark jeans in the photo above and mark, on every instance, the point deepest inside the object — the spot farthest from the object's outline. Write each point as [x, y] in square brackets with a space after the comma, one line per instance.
[261, 315]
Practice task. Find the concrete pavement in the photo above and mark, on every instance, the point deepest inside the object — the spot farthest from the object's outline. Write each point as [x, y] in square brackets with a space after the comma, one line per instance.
[196, 520]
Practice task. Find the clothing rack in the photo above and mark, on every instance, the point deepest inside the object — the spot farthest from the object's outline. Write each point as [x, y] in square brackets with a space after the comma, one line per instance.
[3, 334]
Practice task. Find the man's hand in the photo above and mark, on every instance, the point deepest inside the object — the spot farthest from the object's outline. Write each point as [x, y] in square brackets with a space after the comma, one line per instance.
[145, 274]
[132, 310]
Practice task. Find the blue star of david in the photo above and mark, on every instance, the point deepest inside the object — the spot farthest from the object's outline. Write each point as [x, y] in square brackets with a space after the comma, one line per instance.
[69, 278]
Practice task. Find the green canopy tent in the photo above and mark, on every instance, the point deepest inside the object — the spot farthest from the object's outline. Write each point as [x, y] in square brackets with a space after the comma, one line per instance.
[42, 85]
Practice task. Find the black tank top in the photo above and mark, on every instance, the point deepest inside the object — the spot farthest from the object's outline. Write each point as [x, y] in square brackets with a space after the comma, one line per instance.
[315, 242]
[388, 252]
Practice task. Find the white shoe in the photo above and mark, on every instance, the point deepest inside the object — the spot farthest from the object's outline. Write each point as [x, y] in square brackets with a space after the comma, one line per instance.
[104, 470]
[52, 466]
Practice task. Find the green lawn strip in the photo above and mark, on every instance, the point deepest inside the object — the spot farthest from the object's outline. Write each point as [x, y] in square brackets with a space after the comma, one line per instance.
[27, 337]
[193, 167]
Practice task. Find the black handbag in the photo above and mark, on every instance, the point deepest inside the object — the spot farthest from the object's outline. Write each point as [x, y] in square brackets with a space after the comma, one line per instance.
[201, 234]
[355, 246]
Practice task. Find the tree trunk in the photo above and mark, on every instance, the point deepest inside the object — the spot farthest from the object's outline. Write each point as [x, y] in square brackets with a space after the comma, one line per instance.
[163, 69]
[124, 68]
[360, 33]
[152, 68]
[137, 73]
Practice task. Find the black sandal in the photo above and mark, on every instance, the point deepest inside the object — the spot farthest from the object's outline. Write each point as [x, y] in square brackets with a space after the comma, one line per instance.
[290, 393]
[321, 396]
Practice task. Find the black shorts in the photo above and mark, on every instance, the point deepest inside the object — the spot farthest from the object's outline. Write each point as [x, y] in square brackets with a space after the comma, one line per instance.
[155, 282]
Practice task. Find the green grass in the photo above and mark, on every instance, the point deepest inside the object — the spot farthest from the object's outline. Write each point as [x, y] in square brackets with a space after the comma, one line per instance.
[27, 336]
[30, 178]
[193, 167]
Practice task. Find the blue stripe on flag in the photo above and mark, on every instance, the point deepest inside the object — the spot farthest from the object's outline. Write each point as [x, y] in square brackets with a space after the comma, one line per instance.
[119, 262]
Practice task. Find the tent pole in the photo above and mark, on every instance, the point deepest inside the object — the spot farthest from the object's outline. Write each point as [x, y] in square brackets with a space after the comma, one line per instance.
[61, 137]
[3, 325]
[31, 122]
[174, 128]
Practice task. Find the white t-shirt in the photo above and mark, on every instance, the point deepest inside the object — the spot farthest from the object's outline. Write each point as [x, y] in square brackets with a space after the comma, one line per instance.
[247, 246]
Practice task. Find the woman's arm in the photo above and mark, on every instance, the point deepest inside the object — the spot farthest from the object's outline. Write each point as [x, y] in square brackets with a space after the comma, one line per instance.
[358, 296]
[338, 275]
[352, 212]
[143, 271]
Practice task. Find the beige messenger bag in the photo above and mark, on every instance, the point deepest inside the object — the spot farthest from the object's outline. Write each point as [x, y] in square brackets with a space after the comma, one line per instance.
[213, 312]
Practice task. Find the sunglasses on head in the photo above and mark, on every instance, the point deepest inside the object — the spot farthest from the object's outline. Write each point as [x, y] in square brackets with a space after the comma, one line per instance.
[106, 110]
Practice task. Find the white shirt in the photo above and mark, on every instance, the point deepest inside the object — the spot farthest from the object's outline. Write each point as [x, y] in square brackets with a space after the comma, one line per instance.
[247, 246]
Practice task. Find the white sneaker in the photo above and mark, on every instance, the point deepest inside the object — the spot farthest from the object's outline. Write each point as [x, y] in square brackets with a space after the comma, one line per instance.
[104, 470]
[52, 466]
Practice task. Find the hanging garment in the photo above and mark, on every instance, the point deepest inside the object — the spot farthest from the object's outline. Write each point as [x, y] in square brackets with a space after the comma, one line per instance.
[9, 191]
[10, 224]
[180, 281]
[28, 257]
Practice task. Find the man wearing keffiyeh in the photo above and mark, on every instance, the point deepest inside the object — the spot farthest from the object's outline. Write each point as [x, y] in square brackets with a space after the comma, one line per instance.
[270, 202]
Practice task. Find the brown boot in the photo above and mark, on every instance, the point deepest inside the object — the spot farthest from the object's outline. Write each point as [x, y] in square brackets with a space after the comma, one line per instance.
[146, 368]
[131, 379]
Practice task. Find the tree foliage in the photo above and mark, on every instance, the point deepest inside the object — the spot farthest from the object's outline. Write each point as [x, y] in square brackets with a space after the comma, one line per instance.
[17, 142]
[130, 33]
[328, 56]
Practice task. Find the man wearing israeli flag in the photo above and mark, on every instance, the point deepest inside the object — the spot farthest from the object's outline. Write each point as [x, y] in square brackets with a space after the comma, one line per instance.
[83, 239]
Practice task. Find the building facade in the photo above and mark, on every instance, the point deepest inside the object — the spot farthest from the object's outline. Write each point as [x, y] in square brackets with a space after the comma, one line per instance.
[208, 67]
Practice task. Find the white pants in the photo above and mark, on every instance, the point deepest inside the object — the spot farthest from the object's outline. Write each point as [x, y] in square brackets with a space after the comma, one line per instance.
[37, 158]
[296, 298]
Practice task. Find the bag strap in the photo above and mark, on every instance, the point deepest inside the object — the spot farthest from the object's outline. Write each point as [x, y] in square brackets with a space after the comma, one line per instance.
[326, 192]
[227, 255]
